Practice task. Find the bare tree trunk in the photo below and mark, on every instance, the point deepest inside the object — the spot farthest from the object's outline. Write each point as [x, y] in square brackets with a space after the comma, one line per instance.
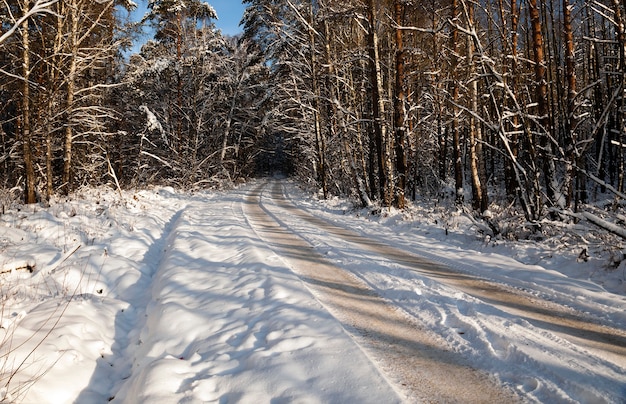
[621, 104]
[456, 139]
[29, 191]
[515, 10]
[541, 95]
[69, 101]
[570, 118]
[360, 149]
[512, 187]
[53, 79]
[179, 82]
[479, 192]
[378, 107]
[229, 118]
[439, 105]
[331, 103]
[319, 137]
[399, 103]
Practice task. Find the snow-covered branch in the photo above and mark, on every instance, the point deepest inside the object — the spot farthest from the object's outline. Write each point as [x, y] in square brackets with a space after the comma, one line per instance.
[597, 220]
[40, 7]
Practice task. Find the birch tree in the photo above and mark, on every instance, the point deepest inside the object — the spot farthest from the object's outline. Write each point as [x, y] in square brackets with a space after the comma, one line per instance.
[30, 183]
[383, 153]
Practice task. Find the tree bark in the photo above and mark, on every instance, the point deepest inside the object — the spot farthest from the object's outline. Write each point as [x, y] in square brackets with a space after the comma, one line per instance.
[378, 107]
[570, 118]
[53, 79]
[29, 191]
[541, 96]
[400, 110]
[179, 83]
[480, 200]
[319, 137]
[229, 118]
[69, 100]
[512, 186]
[456, 139]
[621, 104]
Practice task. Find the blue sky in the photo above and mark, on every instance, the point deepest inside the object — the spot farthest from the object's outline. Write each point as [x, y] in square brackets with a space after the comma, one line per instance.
[229, 13]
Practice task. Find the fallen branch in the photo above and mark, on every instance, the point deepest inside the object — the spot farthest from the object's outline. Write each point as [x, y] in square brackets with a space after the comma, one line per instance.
[18, 265]
[598, 221]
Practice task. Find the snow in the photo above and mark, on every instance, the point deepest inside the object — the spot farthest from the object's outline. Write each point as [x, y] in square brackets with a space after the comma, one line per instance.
[166, 296]
[153, 123]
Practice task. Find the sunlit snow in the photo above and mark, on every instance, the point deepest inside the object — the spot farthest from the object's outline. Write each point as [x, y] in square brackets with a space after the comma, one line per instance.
[165, 296]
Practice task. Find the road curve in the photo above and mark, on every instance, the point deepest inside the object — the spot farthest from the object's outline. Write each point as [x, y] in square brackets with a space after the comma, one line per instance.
[579, 328]
[416, 361]
[608, 343]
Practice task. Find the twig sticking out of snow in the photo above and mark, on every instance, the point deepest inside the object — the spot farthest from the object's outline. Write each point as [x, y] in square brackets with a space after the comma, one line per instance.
[56, 264]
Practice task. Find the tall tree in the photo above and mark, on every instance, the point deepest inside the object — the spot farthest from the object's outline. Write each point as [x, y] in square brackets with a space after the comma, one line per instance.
[378, 107]
[454, 84]
[174, 22]
[480, 199]
[620, 22]
[572, 154]
[541, 96]
[400, 108]
[320, 141]
[30, 195]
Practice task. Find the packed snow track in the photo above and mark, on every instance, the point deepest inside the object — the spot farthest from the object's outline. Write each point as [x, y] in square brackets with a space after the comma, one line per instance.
[417, 362]
[483, 312]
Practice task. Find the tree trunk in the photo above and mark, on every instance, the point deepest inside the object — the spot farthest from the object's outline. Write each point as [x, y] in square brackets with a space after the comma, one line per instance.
[456, 139]
[69, 101]
[378, 107]
[399, 103]
[53, 79]
[179, 82]
[29, 191]
[360, 151]
[512, 186]
[480, 200]
[331, 101]
[229, 118]
[570, 118]
[621, 104]
[541, 95]
[319, 137]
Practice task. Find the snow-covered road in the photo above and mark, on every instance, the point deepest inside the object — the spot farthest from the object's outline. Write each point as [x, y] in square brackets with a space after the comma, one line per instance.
[418, 362]
[228, 322]
[606, 341]
[260, 295]
[492, 320]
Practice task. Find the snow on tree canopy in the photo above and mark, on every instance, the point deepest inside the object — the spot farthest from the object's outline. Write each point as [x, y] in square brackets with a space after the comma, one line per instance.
[199, 9]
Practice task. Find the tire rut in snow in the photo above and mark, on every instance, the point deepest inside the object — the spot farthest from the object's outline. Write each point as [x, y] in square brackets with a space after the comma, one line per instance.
[417, 362]
[608, 343]
[129, 327]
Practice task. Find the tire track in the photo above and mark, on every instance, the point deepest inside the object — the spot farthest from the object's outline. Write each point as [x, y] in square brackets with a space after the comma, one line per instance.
[608, 343]
[132, 324]
[416, 361]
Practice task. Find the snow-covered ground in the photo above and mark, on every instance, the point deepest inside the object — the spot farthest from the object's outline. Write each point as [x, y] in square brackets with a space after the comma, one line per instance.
[162, 296]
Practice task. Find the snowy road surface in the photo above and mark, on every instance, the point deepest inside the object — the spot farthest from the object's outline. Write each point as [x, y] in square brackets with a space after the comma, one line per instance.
[416, 360]
[257, 295]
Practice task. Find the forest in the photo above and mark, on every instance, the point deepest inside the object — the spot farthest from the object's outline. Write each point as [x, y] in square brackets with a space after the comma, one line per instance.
[514, 104]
